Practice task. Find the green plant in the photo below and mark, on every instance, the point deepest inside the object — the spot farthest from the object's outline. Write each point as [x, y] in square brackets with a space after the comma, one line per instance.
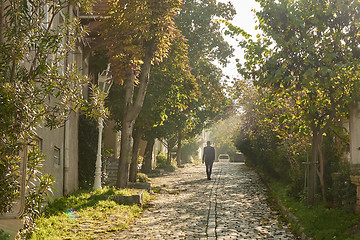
[265, 152]
[140, 159]
[161, 163]
[87, 215]
[342, 191]
[4, 235]
[310, 90]
[88, 137]
[9, 181]
[38, 85]
[189, 149]
[38, 187]
[296, 185]
[142, 177]
[319, 221]
[161, 160]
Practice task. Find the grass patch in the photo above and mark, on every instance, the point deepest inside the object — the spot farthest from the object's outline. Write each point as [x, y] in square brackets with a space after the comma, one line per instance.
[319, 222]
[87, 215]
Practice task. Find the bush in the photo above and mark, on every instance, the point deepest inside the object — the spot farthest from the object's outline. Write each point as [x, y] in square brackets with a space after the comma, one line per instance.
[38, 188]
[188, 150]
[296, 185]
[88, 137]
[9, 181]
[266, 154]
[161, 160]
[142, 177]
[161, 163]
[342, 192]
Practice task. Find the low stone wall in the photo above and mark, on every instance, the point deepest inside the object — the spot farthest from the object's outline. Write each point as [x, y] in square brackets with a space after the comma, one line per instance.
[130, 200]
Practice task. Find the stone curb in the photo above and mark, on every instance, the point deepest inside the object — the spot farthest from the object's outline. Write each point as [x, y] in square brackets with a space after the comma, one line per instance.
[130, 200]
[289, 216]
[292, 218]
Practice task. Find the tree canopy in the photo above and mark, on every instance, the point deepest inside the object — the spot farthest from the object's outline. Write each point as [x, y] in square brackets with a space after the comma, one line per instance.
[307, 58]
[138, 35]
[206, 47]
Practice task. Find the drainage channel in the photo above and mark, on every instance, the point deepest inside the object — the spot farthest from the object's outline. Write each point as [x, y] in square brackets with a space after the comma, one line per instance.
[211, 218]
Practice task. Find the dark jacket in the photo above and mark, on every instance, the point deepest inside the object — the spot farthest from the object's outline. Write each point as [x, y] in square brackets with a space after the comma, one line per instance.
[209, 154]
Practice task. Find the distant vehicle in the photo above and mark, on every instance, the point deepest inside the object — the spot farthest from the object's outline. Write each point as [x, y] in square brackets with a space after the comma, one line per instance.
[239, 157]
[223, 158]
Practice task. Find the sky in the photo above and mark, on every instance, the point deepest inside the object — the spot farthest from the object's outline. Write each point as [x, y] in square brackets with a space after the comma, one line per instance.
[246, 20]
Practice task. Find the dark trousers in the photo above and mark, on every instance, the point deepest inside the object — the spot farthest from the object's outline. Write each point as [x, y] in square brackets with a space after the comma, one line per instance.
[208, 168]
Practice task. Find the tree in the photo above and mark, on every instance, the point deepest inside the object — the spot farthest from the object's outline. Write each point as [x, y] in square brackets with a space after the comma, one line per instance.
[189, 105]
[309, 55]
[170, 96]
[205, 39]
[171, 87]
[222, 134]
[139, 34]
[268, 142]
[206, 46]
[38, 88]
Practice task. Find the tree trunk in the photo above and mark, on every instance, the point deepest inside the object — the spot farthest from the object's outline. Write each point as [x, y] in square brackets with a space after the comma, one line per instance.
[312, 170]
[321, 169]
[168, 155]
[316, 152]
[147, 162]
[135, 154]
[178, 151]
[170, 144]
[125, 156]
[131, 111]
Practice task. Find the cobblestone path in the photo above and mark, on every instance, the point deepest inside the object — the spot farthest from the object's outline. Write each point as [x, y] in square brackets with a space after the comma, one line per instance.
[230, 206]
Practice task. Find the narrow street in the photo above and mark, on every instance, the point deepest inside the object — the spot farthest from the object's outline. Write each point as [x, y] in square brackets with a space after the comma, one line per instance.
[230, 206]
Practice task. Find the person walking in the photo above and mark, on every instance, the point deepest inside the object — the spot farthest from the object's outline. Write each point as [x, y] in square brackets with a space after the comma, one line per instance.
[208, 158]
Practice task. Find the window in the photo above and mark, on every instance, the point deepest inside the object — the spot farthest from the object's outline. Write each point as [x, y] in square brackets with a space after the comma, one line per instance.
[56, 155]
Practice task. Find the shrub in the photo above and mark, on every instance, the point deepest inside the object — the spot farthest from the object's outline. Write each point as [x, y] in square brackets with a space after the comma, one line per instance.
[161, 163]
[38, 187]
[188, 150]
[265, 153]
[342, 192]
[161, 160]
[142, 177]
[88, 137]
[9, 181]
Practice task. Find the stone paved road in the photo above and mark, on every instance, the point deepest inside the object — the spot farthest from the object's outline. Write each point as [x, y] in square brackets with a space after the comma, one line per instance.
[230, 206]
